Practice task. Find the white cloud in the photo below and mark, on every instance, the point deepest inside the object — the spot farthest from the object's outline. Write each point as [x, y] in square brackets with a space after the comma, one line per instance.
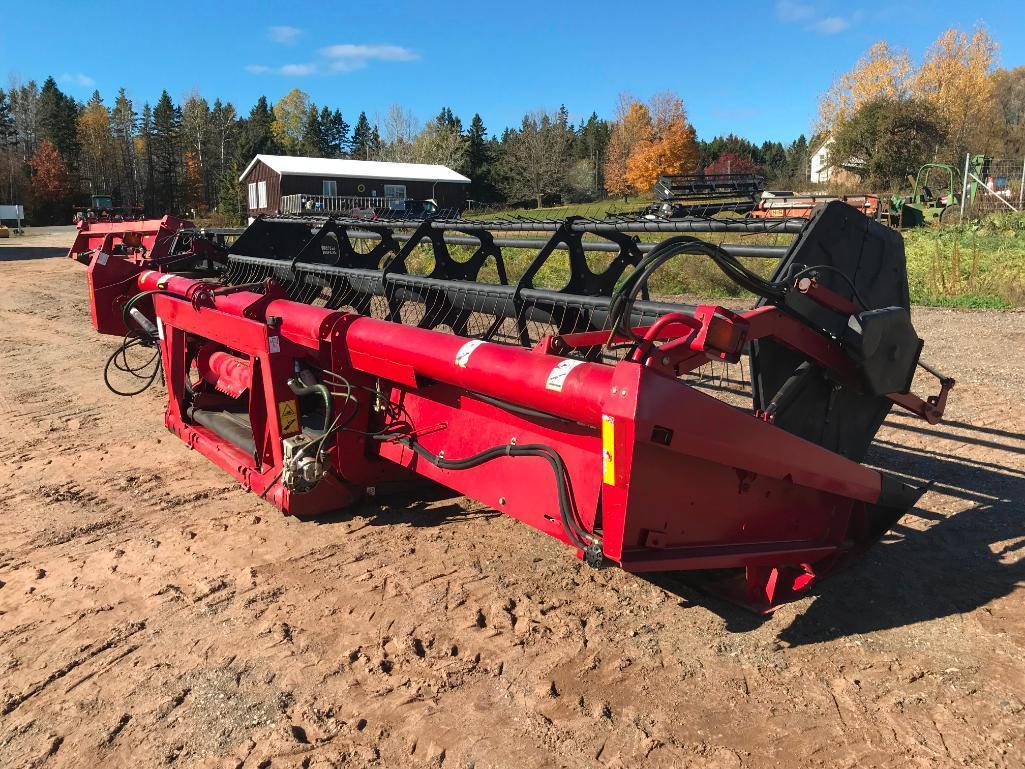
[297, 70]
[284, 35]
[792, 10]
[831, 25]
[77, 78]
[339, 59]
[354, 52]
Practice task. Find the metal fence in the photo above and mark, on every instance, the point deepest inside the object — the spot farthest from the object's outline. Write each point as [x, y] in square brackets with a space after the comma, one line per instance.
[336, 204]
[991, 184]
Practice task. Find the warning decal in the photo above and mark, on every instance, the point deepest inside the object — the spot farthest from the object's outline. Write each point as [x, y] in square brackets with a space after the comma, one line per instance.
[274, 344]
[557, 376]
[608, 449]
[463, 355]
[288, 413]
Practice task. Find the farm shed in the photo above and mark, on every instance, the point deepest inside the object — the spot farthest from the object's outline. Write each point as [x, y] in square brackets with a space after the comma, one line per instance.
[287, 184]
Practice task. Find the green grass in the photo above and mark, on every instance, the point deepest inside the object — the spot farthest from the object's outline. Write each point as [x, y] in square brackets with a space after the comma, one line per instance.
[978, 265]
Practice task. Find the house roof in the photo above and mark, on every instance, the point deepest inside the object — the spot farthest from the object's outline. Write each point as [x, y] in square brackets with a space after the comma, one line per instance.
[362, 169]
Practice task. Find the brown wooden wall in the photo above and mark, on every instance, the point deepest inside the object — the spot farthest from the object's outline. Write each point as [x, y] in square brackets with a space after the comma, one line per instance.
[448, 194]
[261, 172]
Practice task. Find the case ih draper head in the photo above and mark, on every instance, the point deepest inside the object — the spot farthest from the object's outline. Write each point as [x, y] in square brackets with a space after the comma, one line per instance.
[332, 360]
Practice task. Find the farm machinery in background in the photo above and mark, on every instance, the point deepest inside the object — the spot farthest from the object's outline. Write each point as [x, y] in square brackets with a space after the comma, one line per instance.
[683, 195]
[335, 358]
[936, 194]
[101, 208]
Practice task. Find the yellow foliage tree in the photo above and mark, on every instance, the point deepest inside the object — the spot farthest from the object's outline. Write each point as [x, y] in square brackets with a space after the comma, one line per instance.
[633, 125]
[955, 77]
[671, 149]
[192, 181]
[290, 119]
[881, 72]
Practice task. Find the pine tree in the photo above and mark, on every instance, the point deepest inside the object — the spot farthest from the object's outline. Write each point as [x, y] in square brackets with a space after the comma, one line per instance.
[167, 155]
[336, 133]
[363, 139]
[58, 121]
[480, 159]
[313, 143]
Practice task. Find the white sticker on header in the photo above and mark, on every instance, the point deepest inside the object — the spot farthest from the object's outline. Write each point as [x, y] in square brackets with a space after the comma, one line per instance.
[164, 280]
[160, 329]
[274, 343]
[463, 355]
[101, 258]
[557, 376]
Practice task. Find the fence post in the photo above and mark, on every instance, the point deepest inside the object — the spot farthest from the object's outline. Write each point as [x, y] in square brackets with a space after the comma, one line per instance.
[964, 187]
[1021, 189]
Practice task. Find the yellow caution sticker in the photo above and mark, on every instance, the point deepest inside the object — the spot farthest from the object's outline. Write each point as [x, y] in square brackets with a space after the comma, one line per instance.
[608, 449]
[288, 415]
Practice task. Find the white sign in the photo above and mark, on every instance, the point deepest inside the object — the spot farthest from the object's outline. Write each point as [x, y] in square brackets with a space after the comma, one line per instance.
[12, 212]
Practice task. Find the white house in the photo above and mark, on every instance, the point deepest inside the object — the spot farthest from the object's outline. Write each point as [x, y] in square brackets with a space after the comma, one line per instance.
[820, 170]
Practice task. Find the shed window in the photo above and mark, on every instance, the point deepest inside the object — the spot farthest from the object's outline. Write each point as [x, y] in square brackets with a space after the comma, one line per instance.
[395, 191]
[329, 188]
[252, 196]
[262, 192]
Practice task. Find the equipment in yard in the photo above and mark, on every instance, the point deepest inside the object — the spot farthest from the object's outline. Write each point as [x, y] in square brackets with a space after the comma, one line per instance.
[338, 357]
[153, 243]
[936, 194]
[101, 208]
[682, 195]
[780, 203]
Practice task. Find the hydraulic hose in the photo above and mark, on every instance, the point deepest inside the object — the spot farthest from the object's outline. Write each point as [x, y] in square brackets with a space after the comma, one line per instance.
[301, 390]
[586, 541]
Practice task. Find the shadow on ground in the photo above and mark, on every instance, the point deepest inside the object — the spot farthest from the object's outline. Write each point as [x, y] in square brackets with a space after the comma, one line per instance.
[952, 567]
[24, 253]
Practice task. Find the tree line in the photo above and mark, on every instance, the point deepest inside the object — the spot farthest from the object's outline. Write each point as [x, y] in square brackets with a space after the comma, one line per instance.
[186, 157]
[888, 115]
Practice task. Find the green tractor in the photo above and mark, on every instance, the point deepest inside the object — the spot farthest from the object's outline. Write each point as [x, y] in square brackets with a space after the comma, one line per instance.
[935, 194]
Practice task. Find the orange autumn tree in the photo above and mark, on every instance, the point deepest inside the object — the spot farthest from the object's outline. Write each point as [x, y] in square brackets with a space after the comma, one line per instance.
[51, 183]
[631, 126]
[671, 148]
[649, 140]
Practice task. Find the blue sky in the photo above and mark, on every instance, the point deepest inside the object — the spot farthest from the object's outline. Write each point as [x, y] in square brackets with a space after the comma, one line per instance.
[753, 68]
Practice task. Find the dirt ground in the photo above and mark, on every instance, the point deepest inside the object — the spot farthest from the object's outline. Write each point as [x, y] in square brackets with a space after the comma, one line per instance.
[152, 613]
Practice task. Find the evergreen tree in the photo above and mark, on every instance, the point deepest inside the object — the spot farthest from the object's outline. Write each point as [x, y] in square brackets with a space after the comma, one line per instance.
[58, 121]
[363, 139]
[336, 133]
[446, 119]
[313, 143]
[480, 159]
[166, 141]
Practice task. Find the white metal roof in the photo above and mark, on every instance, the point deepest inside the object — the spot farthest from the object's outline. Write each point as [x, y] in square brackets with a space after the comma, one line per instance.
[363, 169]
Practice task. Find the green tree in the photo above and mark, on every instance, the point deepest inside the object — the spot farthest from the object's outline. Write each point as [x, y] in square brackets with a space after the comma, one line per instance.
[363, 139]
[886, 139]
[167, 156]
[58, 121]
[336, 133]
[480, 160]
[313, 144]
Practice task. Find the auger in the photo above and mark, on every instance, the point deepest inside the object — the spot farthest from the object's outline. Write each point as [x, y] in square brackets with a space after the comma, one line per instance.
[336, 358]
